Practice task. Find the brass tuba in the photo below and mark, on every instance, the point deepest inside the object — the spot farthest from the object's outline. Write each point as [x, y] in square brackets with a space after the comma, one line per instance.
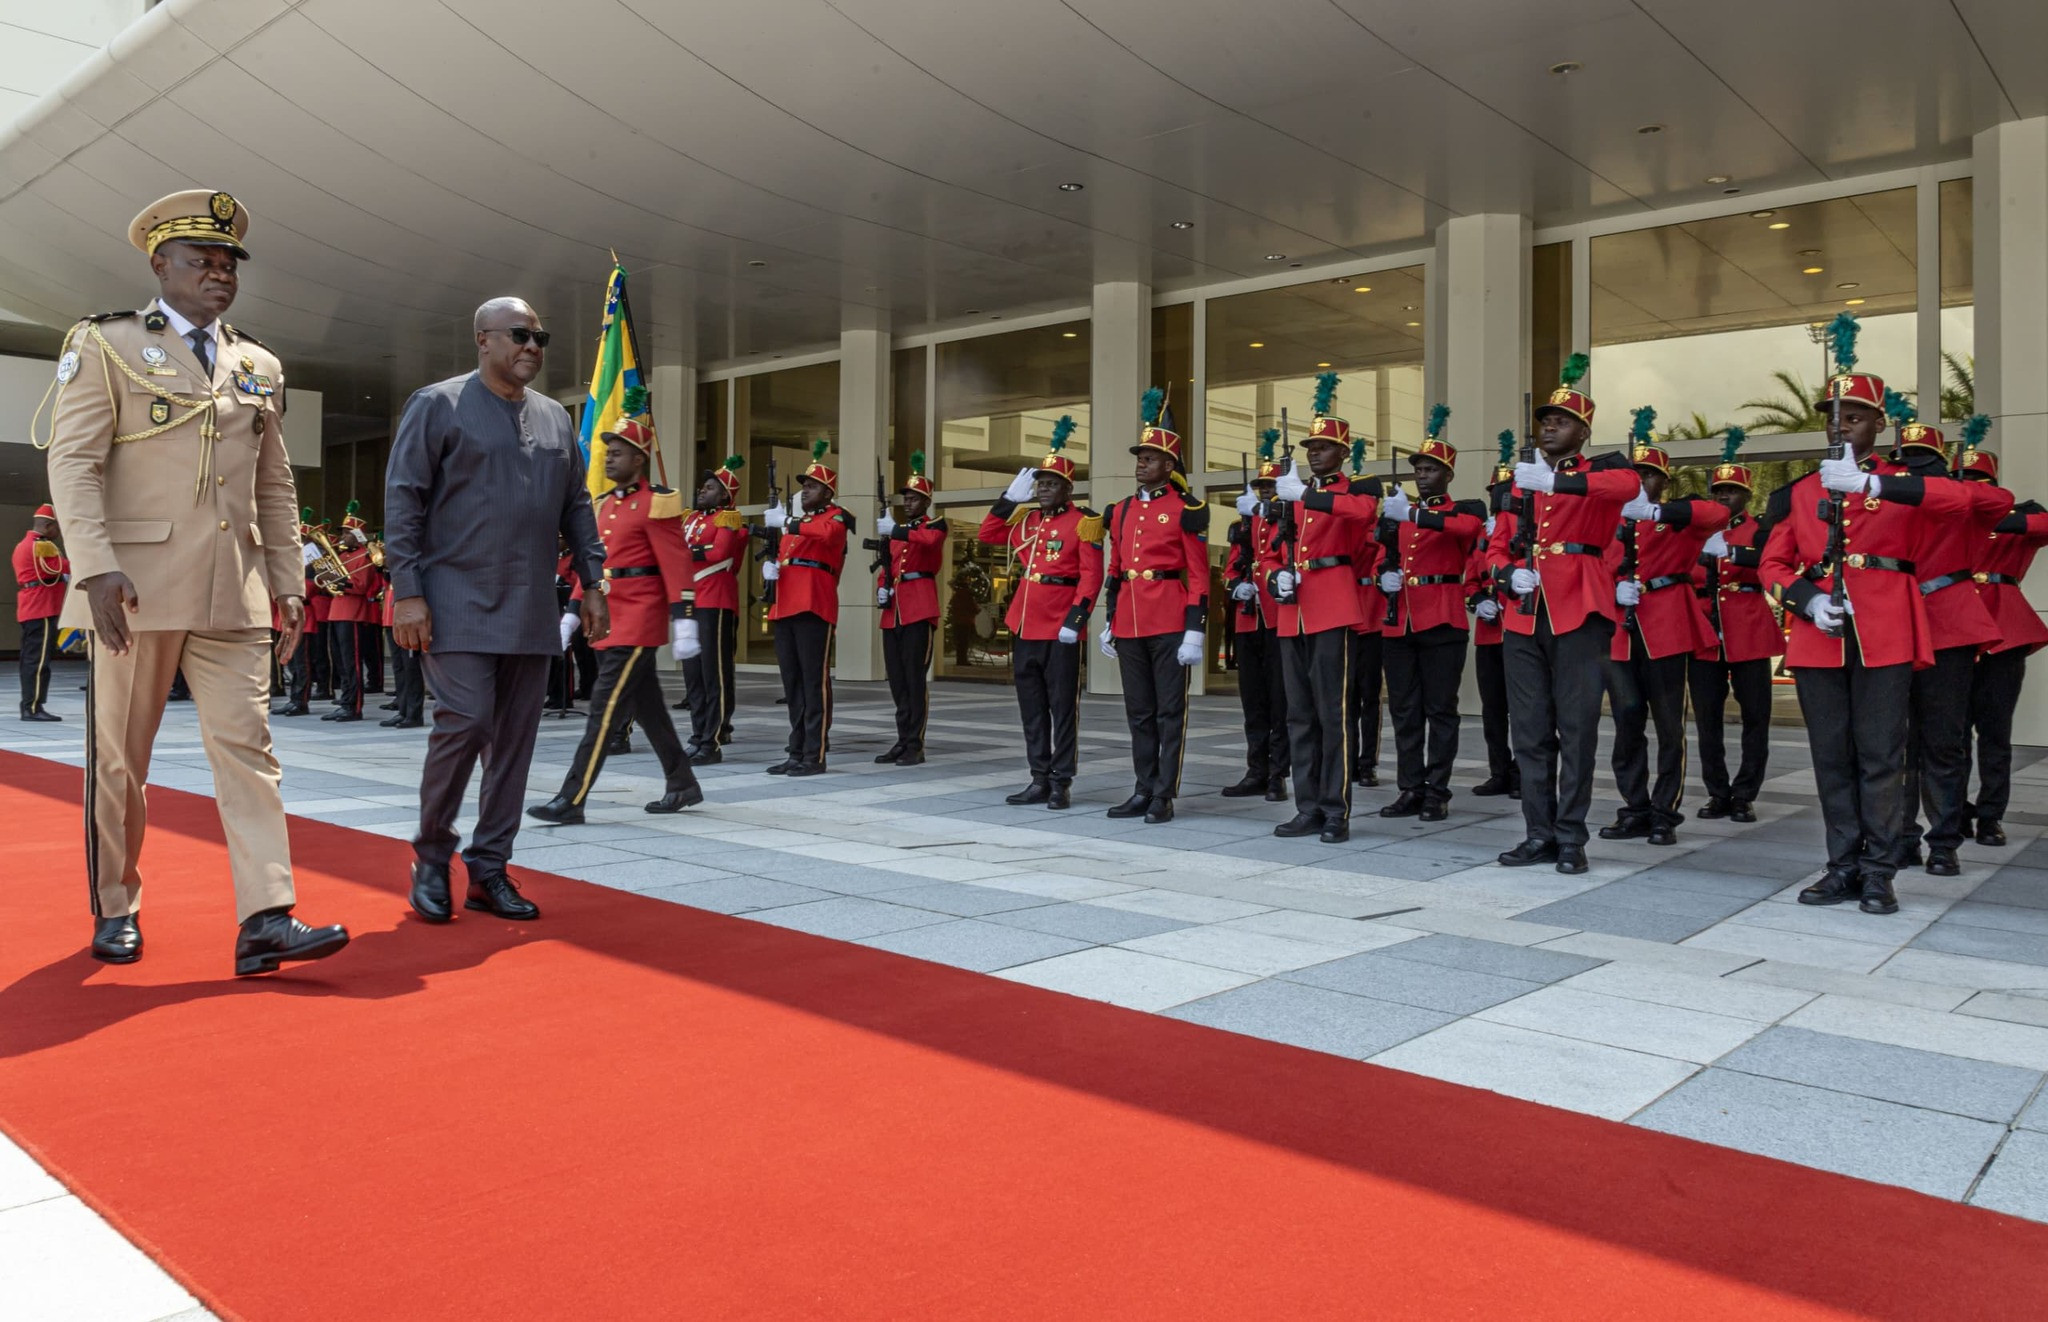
[329, 575]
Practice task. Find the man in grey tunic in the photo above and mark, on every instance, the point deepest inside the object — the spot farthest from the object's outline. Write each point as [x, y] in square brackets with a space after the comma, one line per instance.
[484, 474]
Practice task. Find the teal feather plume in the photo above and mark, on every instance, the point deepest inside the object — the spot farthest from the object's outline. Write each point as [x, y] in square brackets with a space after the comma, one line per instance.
[1358, 454]
[1575, 368]
[1975, 430]
[1438, 415]
[1842, 333]
[1507, 445]
[1639, 430]
[1734, 442]
[1149, 406]
[1269, 444]
[1326, 392]
[1898, 409]
[1061, 430]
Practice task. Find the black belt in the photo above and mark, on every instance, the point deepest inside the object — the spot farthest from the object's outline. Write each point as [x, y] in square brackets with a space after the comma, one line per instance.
[1997, 578]
[1862, 561]
[801, 563]
[1569, 548]
[906, 578]
[1326, 562]
[1666, 581]
[1934, 585]
[1430, 580]
[1156, 575]
[1056, 580]
[1707, 594]
[633, 571]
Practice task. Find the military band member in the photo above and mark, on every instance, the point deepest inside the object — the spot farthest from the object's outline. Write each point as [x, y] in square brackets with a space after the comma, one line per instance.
[717, 539]
[1156, 563]
[1547, 552]
[907, 590]
[1483, 599]
[1662, 625]
[408, 708]
[346, 610]
[1422, 646]
[1853, 661]
[40, 573]
[810, 551]
[646, 572]
[2008, 553]
[1327, 522]
[1058, 550]
[1746, 642]
[1261, 691]
[169, 474]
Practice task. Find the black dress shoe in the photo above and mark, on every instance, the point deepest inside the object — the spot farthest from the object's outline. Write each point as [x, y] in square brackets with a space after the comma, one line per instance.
[387, 706]
[1135, 806]
[1529, 852]
[891, 755]
[1335, 833]
[1060, 797]
[1714, 810]
[494, 893]
[1941, 862]
[705, 757]
[38, 714]
[782, 768]
[1988, 832]
[914, 758]
[1370, 778]
[1038, 791]
[1250, 787]
[1877, 895]
[334, 715]
[1740, 811]
[620, 746]
[429, 897]
[677, 800]
[1661, 834]
[413, 724]
[1302, 823]
[116, 940]
[1571, 859]
[342, 717]
[1276, 790]
[296, 709]
[1626, 828]
[1835, 886]
[1912, 858]
[1492, 787]
[1433, 810]
[1407, 803]
[559, 811]
[1160, 810]
[273, 937]
[806, 769]
[392, 722]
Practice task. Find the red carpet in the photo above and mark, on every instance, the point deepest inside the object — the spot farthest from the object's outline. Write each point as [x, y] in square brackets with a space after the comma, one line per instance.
[631, 1109]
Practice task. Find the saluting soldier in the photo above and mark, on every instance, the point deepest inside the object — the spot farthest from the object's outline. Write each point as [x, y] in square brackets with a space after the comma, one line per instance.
[1058, 550]
[346, 610]
[646, 572]
[717, 539]
[907, 590]
[810, 551]
[1157, 566]
[2008, 553]
[1422, 647]
[1483, 599]
[169, 474]
[1261, 691]
[1746, 641]
[40, 573]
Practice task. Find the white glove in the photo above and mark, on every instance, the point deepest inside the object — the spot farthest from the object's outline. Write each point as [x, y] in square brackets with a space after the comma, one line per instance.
[882, 596]
[885, 526]
[1524, 581]
[1243, 592]
[1824, 612]
[1488, 609]
[1844, 476]
[1068, 635]
[1285, 582]
[1396, 506]
[683, 642]
[570, 622]
[1390, 581]
[1642, 507]
[1107, 642]
[796, 506]
[1716, 546]
[1535, 475]
[1628, 594]
[1191, 648]
[1021, 486]
[770, 570]
[1247, 504]
[1289, 487]
[775, 517]
[309, 553]
[1489, 525]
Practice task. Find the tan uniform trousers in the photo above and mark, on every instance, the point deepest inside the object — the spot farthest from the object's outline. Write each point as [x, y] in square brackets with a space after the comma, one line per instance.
[228, 672]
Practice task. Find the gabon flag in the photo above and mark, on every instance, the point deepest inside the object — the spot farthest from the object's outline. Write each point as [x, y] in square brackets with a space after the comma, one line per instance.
[616, 375]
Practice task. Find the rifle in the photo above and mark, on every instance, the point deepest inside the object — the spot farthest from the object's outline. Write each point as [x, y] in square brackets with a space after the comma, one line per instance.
[880, 545]
[1525, 514]
[1285, 535]
[1629, 565]
[770, 538]
[1393, 542]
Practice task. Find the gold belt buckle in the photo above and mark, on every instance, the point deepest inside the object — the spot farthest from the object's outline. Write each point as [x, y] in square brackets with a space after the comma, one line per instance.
[1555, 548]
[1980, 577]
[1147, 576]
[1856, 561]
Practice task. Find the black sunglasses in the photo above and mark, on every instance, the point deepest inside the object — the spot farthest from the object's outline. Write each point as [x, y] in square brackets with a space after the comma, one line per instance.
[521, 334]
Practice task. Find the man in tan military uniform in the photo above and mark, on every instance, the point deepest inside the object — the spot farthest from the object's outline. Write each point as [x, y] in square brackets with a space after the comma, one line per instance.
[168, 470]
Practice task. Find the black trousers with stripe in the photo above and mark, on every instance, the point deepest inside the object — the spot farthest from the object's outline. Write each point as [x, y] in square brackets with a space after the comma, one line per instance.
[1262, 693]
[1156, 705]
[907, 656]
[370, 643]
[707, 677]
[1489, 663]
[409, 681]
[626, 689]
[1856, 718]
[1994, 696]
[1423, 671]
[1364, 709]
[348, 665]
[1047, 673]
[1710, 682]
[1642, 690]
[1554, 704]
[1938, 748]
[802, 645]
[1316, 668]
[38, 647]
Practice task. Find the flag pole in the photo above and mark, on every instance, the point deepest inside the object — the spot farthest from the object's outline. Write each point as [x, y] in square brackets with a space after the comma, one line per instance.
[646, 375]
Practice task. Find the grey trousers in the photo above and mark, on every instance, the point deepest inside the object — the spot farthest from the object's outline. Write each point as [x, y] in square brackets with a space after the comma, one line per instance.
[488, 708]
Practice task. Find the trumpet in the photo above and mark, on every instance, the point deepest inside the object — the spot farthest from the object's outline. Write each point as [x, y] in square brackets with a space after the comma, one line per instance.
[376, 549]
[329, 574]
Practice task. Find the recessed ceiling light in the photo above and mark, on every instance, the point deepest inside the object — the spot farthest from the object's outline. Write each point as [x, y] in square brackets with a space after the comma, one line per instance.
[974, 312]
[1414, 323]
[1362, 289]
[1809, 252]
[1730, 192]
[1650, 128]
[1779, 225]
[1322, 364]
[1183, 224]
[1409, 307]
[1276, 256]
[1761, 215]
[757, 263]
[1852, 302]
[1850, 284]
[1565, 67]
[1717, 179]
[775, 355]
[1070, 335]
[1258, 344]
[1071, 188]
[1812, 270]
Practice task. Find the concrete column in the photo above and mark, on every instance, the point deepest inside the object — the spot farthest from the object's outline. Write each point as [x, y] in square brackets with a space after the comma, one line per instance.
[863, 442]
[2011, 278]
[1483, 270]
[1122, 355]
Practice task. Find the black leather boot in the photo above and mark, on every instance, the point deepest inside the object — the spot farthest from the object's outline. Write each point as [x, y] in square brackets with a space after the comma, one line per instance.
[1060, 797]
[1253, 785]
[429, 897]
[677, 800]
[1038, 791]
[274, 937]
[116, 940]
[1529, 852]
[1135, 806]
[1408, 803]
[1834, 887]
[1878, 896]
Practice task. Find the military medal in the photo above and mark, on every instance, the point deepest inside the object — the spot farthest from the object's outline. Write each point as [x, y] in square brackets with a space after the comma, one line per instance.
[248, 364]
[159, 411]
[154, 355]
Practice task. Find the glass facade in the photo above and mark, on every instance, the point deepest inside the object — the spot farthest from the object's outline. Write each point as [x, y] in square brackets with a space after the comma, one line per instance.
[1550, 310]
[776, 416]
[998, 398]
[1958, 301]
[976, 582]
[708, 434]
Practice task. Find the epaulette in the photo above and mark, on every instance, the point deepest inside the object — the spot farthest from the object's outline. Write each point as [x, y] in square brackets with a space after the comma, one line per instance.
[664, 503]
[845, 516]
[2029, 508]
[1476, 508]
[1194, 517]
[1018, 516]
[112, 316]
[1193, 501]
[1089, 529]
[1610, 461]
[728, 518]
[244, 335]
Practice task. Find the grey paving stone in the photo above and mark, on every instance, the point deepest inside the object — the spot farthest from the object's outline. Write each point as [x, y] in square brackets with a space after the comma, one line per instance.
[2023, 886]
[1931, 1151]
[1973, 1088]
[1984, 943]
[1088, 922]
[845, 878]
[2018, 1179]
[554, 857]
[1700, 892]
[1313, 1017]
[1999, 917]
[961, 899]
[1380, 863]
[1588, 914]
[1742, 859]
[2036, 1114]
[738, 894]
[1409, 982]
[847, 917]
[968, 944]
[1495, 957]
[649, 874]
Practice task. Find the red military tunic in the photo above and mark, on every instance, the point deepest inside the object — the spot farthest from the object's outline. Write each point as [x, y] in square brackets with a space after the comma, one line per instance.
[1246, 557]
[1574, 527]
[1158, 563]
[1335, 526]
[646, 566]
[1736, 604]
[319, 603]
[353, 605]
[1670, 617]
[811, 552]
[718, 548]
[1881, 542]
[1059, 566]
[1435, 546]
[2003, 564]
[915, 551]
[40, 572]
[565, 572]
[1956, 614]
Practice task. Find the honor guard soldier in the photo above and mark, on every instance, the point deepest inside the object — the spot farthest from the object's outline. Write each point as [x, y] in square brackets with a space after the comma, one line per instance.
[298, 665]
[1326, 522]
[1662, 626]
[1938, 732]
[810, 551]
[1261, 691]
[169, 474]
[348, 609]
[1995, 688]
[907, 590]
[1422, 645]
[1484, 601]
[1058, 551]
[1367, 671]
[646, 571]
[1746, 642]
[717, 538]
[1157, 567]
[1547, 553]
[1859, 626]
[40, 573]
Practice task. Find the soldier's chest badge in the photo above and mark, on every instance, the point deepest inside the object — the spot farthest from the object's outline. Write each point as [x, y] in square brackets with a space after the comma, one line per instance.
[154, 355]
[1162, 518]
[1053, 547]
[159, 411]
[249, 383]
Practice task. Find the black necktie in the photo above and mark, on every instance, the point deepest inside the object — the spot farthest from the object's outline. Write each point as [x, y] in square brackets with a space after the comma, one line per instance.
[202, 344]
